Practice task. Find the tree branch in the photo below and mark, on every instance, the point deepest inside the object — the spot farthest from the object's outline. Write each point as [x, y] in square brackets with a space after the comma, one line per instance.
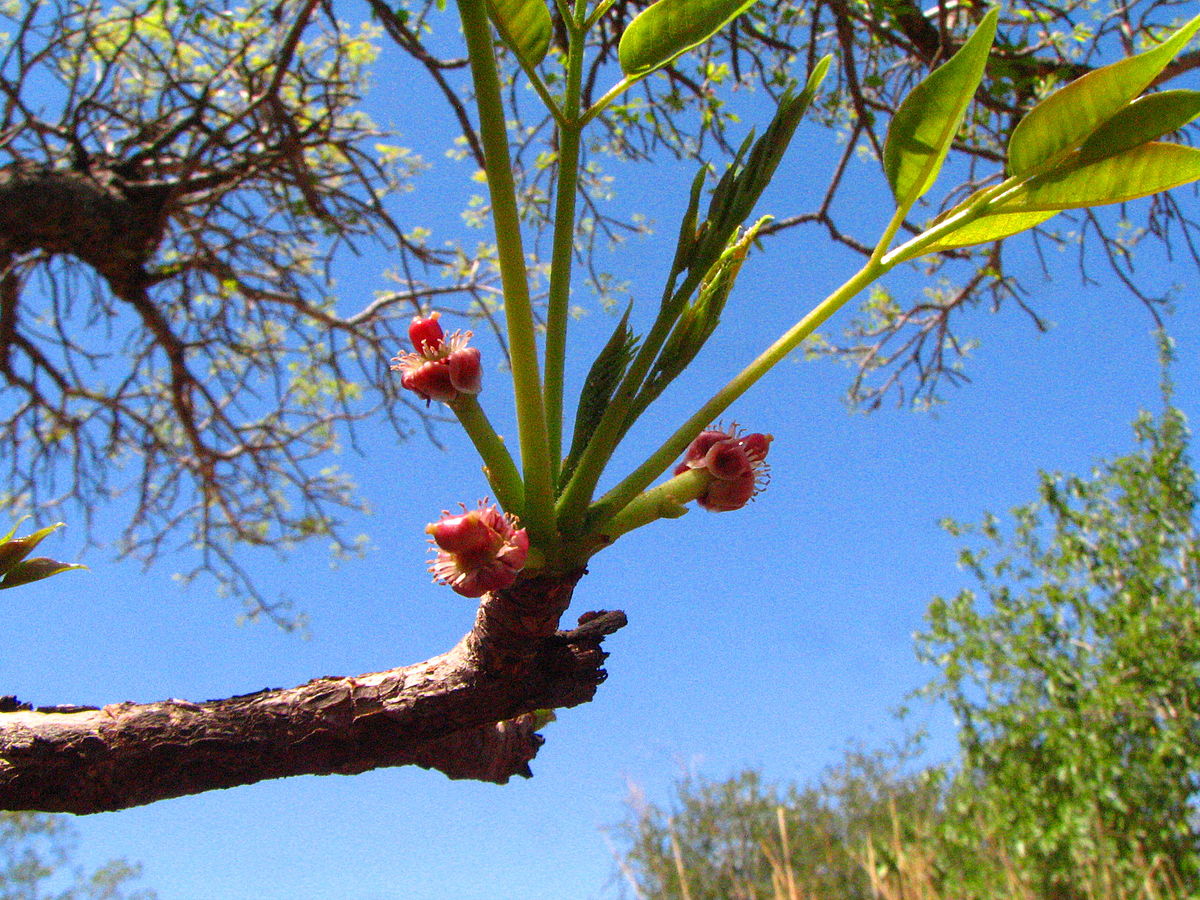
[469, 713]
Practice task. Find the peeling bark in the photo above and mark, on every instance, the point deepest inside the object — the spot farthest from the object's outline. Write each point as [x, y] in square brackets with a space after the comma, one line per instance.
[469, 713]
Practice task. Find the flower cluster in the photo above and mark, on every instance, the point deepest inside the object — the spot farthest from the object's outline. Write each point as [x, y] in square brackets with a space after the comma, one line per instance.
[737, 463]
[441, 368]
[480, 550]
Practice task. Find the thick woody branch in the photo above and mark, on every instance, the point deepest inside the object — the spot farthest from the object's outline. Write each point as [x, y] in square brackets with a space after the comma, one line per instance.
[470, 713]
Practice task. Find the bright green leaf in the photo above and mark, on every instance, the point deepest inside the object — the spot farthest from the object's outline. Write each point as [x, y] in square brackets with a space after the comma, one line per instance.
[1067, 117]
[669, 28]
[1139, 172]
[991, 228]
[1145, 119]
[35, 570]
[524, 25]
[924, 126]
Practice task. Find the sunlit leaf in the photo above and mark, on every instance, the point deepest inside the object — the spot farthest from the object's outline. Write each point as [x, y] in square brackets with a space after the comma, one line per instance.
[992, 228]
[525, 26]
[1137, 172]
[668, 28]
[1067, 117]
[924, 126]
[1145, 119]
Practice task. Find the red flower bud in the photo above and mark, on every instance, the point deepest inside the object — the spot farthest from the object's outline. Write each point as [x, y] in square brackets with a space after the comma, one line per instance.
[432, 380]
[727, 460]
[479, 551]
[440, 368]
[467, 533]
[466, 370]
[736, 462]
[426, 334]
[726, 496]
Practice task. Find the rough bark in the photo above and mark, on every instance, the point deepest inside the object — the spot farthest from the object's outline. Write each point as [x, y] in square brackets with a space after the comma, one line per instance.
[470, 713]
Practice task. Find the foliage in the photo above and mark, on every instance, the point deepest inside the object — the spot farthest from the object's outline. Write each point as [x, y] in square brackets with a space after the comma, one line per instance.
[695, 108]
[1058, 160]
[35, 864]
[725, 840]
[1073, 670]
[1073, 676]
[17, 567]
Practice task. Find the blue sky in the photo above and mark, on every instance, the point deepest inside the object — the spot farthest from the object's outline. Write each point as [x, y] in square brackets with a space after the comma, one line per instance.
[771, 637]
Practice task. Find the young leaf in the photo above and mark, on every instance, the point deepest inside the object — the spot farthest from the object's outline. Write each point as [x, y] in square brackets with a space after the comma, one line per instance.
[598, 389]
[1145, 119]
[990, 228]
[924, 126]
[670, 28]
[524, 25]
[35, 570]
[741, 186]
[1143, 170]
[698, 319]
[1067, 117]
[1136, 172]
[13, 550]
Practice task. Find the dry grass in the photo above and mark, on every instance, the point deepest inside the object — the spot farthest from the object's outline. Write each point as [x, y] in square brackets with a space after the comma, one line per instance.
[900, 869]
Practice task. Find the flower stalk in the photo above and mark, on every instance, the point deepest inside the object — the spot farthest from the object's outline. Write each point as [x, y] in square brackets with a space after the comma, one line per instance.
[537, 468]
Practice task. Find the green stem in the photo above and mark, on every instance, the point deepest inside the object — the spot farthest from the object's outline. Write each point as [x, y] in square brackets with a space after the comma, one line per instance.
[498, 463]
[880, 263]
[601, 8]
[637, 481]
[538, 507]
[664, 501]
[615, 421]
[564, 241]
[613, 93]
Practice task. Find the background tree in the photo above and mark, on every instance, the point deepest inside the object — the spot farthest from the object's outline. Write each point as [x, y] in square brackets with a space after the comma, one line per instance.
[177, 181]
[1072, 670]
[1072, 676]
[35, 864]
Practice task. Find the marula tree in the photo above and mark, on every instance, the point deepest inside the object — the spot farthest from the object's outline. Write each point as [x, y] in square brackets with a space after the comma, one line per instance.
[474, 711]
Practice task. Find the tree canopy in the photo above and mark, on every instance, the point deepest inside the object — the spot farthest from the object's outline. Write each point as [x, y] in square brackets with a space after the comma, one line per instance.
[180, 177]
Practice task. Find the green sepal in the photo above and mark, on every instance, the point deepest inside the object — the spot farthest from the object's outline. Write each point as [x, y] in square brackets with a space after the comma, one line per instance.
[924, 127]
[669, 28]
[1066, 119]
[524, 25]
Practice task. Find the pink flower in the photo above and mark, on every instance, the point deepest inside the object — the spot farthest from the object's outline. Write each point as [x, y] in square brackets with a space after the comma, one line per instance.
[480, 550]
[737, 463]
[440, 368]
